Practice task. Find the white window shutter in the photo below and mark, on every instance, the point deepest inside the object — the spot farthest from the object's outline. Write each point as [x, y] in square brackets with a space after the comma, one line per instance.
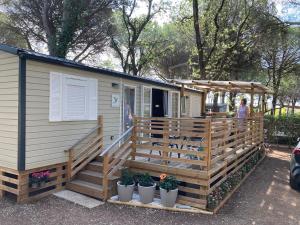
[93, 99]
[55, 106]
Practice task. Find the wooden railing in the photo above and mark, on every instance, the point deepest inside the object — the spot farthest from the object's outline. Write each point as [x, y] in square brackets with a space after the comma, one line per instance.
[85, 150]
[114, 157]
[169, 141]
[200, 153]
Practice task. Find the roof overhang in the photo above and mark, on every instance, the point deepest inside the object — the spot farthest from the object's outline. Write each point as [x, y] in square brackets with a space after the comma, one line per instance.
[226, 86]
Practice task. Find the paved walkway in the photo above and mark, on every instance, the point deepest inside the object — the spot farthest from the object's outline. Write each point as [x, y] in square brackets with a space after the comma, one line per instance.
[264, 199]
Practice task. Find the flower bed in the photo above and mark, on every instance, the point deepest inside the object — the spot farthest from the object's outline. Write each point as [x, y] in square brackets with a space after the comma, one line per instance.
[215, 198]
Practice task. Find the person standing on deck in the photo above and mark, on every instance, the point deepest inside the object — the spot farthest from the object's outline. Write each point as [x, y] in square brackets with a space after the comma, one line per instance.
[242, 115]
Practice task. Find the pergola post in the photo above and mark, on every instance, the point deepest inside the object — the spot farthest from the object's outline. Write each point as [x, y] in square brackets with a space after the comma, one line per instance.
[251, 100]
[263, 109]
[203, 102]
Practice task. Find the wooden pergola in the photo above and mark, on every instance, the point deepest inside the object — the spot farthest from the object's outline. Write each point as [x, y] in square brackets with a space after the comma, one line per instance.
[251, 88]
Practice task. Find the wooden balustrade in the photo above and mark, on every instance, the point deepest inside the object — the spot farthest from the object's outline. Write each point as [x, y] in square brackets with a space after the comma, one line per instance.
[85, 150]
[115, 156]
[200, 153]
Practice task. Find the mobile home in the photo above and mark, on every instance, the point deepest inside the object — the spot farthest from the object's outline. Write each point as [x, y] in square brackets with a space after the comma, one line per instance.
[47, 104]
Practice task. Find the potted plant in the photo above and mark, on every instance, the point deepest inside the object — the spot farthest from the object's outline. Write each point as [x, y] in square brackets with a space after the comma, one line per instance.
[146, 188]
[125, 186]
[34, 180]
[44, 177]
[168, 190]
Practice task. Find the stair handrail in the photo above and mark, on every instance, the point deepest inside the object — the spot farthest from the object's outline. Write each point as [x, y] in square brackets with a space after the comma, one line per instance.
[78, 159]
[112, 164]
[116, 141]
[84, 137]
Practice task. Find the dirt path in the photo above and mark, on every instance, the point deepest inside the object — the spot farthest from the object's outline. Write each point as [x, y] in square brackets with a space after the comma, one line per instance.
[264, 199]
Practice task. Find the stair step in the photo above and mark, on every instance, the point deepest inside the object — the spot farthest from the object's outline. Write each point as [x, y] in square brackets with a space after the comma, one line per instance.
[87, 188]
[95, 166]
[96, 174]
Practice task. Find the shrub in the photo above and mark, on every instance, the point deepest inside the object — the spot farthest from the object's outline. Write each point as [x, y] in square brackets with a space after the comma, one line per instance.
[126, 178]
[289, 126]
[220, 192]
[145, 180]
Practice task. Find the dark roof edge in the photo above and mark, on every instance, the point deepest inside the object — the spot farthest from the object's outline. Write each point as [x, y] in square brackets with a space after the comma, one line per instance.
[69, 63]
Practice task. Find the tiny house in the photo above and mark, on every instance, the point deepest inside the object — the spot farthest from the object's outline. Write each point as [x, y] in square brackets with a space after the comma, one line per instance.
[47, 104]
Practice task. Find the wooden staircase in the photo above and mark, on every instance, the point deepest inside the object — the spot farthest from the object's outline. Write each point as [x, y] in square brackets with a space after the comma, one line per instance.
[93, 170]
[89, 181]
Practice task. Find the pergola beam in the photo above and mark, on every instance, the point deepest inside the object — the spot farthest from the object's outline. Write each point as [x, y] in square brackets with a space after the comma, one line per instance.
[224, 86]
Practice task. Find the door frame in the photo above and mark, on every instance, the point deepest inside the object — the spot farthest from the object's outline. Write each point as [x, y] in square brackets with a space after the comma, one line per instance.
[123, 102]
[142, 99]
[170, 102]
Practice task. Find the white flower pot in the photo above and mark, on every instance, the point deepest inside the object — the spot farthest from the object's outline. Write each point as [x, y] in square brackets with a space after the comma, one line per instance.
[146, 193]
[125, 192]
[168, 199]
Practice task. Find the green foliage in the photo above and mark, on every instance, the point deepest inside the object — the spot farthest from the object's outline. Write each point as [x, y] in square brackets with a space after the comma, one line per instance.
[127, 178]
[220, 192]
[169, 183]
[78, 27]
[282, 129]
[145, 180]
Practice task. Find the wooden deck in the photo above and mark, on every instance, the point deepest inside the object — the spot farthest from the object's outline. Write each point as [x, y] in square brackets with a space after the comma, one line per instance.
[200, 153]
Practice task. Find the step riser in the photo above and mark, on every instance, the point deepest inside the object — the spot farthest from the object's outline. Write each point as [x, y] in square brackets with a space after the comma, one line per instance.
[91, 179]
[95, 168]
[85, 190]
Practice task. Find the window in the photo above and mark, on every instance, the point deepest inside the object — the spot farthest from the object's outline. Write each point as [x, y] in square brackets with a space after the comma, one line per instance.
[184, 105]
[72, 98]
[146, 101]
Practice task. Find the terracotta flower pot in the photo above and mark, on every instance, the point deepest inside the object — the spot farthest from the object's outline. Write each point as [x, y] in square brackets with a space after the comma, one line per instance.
[125, 192]
[168, 199]
[146, 193]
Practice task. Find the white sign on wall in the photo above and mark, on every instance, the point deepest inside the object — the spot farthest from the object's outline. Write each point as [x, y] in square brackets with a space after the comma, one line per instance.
[115, 100]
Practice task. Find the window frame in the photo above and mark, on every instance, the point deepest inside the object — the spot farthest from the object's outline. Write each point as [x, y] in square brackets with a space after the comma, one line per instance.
[90, 95]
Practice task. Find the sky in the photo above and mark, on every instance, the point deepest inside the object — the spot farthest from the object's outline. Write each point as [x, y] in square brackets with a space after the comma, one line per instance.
[287, 11]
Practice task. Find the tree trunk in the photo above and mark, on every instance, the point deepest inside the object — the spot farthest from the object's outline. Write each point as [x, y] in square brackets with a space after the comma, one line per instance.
[232, 97]
[215, 107]
[199, 45]
[274, 100]
[293, 106]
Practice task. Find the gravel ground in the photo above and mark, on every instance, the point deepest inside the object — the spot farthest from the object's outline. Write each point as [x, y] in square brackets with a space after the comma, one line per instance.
[264, 198]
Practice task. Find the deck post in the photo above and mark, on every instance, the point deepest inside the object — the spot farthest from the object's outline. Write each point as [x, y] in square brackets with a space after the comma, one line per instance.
[165, 141]
[70, 161]
[1, 183]
[105, 177]
[209, 145]
[100, 123]
[23, 187]
[133, 138]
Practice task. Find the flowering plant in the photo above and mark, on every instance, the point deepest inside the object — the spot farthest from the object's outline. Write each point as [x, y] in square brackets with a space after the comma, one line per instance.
[168, 182]
[39, 177]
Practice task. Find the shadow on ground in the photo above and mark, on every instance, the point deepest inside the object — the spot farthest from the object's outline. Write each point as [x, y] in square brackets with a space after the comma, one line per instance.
[264, 199]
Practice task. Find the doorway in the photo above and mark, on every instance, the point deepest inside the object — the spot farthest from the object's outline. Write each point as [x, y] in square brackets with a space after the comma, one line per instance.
[159, 103]
[128, 107]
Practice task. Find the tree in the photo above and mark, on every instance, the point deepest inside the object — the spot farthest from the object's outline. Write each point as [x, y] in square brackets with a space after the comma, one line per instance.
[174, 62]
[8, 36]
[280, 58]
[136, 39]
[74, 28]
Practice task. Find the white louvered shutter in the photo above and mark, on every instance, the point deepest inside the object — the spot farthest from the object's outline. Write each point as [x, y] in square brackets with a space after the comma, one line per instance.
[75, 98]
[93, 99]
[55, 106]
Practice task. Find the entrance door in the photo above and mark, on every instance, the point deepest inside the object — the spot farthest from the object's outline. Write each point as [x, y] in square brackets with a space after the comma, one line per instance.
[159, 103]
[128, 106]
